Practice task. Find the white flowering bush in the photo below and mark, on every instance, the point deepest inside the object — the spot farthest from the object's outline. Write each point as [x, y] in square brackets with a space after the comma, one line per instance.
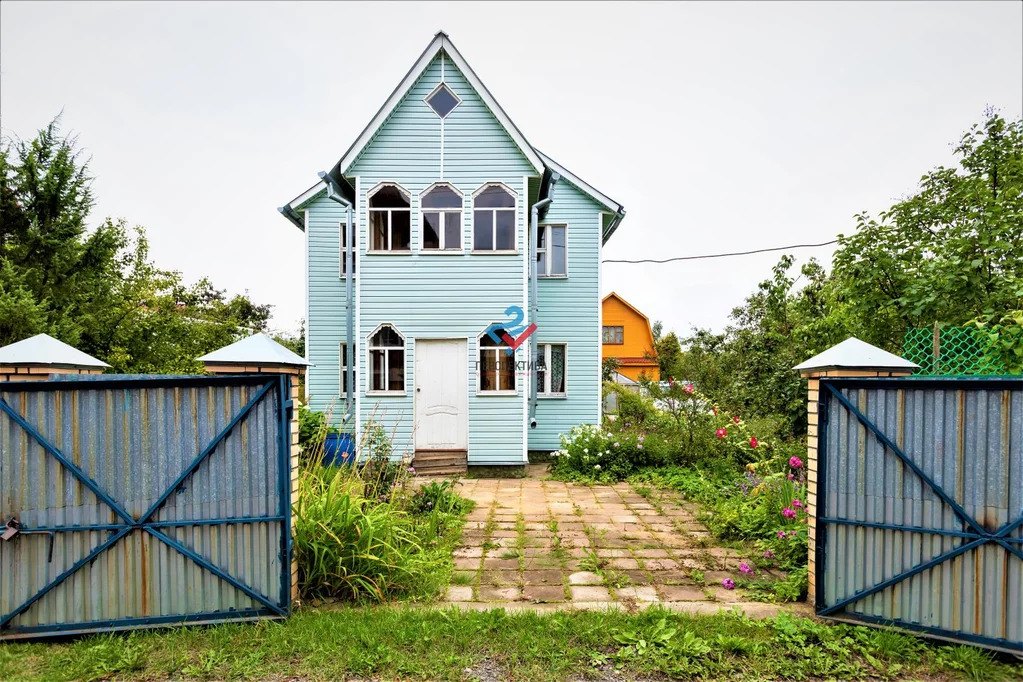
[592, 453]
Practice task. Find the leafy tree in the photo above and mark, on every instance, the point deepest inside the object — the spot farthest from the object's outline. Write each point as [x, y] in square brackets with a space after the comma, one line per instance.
[657, 329]
[608, 368]
[97, 289]
[669, 352]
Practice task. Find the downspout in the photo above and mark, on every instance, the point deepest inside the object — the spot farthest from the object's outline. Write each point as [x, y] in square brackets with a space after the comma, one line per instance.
[334, 194]
[534, 236]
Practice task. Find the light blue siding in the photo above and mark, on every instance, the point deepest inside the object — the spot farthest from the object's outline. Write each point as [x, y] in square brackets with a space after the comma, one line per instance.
[569, 313]
[443, 296]
[325, 328]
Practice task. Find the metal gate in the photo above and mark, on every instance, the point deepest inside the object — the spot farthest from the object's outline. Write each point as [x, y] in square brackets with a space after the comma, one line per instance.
[920, 506]
[143, 501]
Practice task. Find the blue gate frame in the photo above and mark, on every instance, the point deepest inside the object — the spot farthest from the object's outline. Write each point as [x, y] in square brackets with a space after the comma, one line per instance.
[271, 387]
[971, 536]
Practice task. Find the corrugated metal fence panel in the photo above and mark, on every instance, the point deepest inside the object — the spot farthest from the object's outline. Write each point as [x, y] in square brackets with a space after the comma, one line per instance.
[966, 436]
[134, 438]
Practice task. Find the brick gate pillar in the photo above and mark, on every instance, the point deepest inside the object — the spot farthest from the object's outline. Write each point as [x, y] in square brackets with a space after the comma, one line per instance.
[259, 354]
[851, 358]
[43, 357]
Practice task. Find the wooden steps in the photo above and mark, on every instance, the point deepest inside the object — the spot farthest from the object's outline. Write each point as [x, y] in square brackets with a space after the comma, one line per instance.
[440, 462]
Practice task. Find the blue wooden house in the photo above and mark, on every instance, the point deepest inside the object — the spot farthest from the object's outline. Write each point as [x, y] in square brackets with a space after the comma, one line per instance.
[433, 246]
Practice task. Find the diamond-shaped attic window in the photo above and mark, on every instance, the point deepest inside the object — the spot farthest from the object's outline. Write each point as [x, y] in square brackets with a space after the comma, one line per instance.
[442, 100]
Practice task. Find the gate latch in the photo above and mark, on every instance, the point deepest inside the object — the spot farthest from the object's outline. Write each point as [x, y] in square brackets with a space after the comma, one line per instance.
[12, 528]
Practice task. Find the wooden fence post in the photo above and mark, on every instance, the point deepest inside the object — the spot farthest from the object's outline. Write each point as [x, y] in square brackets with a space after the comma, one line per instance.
[851, 358]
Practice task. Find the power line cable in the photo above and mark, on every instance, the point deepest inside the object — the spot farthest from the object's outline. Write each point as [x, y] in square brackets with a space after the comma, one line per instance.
[719, 255]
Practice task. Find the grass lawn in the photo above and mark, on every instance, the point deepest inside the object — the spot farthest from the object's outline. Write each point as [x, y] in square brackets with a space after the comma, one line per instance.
[403, 643]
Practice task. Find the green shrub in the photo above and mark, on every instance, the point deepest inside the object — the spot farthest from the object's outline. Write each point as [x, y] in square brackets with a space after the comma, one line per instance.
[591, 453]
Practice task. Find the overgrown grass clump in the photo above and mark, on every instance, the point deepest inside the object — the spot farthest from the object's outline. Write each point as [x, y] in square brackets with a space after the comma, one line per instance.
[366, 531]
[428, 644]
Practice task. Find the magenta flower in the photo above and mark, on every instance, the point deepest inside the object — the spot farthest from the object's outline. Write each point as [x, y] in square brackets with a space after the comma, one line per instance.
[768, 554]
[728, 584]
[792, 477]
[689, 389]
[745, 568]
[788, 513]
[792, 533]
[797, 504]
[781, 535]
[722, 432]
[735, 419]
[753, 442]
[795, 462]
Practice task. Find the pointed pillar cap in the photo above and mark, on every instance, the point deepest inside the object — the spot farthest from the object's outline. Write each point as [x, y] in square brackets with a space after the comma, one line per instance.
[42, 350]
[855, 354]
[258, 350]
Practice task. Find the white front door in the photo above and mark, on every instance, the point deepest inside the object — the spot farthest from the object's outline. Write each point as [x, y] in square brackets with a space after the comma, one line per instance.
[441, 381]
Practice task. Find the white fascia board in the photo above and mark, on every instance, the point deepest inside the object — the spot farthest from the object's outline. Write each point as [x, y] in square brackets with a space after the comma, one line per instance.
[608, 203]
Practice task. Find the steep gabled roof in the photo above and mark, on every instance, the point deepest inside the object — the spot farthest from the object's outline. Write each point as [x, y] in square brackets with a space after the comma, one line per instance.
[636, 310]
[440, 43]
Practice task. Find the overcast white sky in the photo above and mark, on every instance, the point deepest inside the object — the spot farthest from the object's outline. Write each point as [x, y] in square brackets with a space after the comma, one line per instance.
[720, 127]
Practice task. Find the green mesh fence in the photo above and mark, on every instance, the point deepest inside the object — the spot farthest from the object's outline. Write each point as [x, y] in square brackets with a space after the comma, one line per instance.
[946, 351]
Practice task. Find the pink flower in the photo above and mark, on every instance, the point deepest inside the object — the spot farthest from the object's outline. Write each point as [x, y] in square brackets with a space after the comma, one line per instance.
[753, 442]
[735, 419]
[745, 568]
[792, 477]
[768, 554]
[722, 432]
[788, 513]
[641, 439]
[797, 504]
[639, 446]
[728, 584]
[795, 462]
[792, 533]
[781, 535]
[689, 389]
[671, 382]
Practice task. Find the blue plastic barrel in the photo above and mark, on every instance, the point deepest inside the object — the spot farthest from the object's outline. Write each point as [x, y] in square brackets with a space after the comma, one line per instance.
[338, 449]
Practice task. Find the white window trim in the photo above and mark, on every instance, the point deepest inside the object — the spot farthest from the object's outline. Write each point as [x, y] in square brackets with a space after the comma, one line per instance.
[355, 372]
[461, 222]
[369, 362]
[542, 391]
[390, 233]
[472, 221]
[502, 355]
[341, 257]
[547, 261]
[442, 84]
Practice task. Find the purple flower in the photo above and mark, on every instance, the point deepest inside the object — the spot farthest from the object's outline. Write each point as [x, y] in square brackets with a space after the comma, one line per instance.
[788, 513]
[781, 535]
[795, 462]
[411, 470]
[745, 568]
[768, 554]
[728, 584]
[791, 477]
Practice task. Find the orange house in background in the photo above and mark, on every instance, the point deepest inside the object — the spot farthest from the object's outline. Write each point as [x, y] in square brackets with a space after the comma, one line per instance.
[627, 337]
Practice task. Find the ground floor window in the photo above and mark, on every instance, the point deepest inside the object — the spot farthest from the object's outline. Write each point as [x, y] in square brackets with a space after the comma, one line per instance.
[497, 365]
[387, 360]
[344, 370]
[550, 371]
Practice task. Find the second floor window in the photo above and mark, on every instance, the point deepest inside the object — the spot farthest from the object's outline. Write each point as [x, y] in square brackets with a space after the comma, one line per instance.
[614, 335]
[441, 211]
[493, 219]
[344, 252]
[390, 219]
[552, 251]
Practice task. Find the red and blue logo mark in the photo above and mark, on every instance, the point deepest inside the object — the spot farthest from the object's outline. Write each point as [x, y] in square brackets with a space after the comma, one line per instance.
[513, 332]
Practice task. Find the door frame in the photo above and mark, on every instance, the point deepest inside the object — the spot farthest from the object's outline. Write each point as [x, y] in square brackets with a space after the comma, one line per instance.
[468, 388]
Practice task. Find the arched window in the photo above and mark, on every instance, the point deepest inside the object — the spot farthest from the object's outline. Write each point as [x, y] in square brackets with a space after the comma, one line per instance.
[493, 219]
[390, 218]
[497, 365]
[387, 360]
[440, 210]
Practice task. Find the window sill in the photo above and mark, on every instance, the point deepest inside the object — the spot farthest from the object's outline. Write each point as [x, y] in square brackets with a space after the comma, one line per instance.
[551, 396]
[441, 252]
[477, 252]
[386, 394]
[395, 252]
[494, 394]
[552, 276]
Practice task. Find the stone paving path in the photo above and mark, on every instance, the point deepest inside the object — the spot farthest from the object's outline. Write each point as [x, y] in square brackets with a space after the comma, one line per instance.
[547, 545]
